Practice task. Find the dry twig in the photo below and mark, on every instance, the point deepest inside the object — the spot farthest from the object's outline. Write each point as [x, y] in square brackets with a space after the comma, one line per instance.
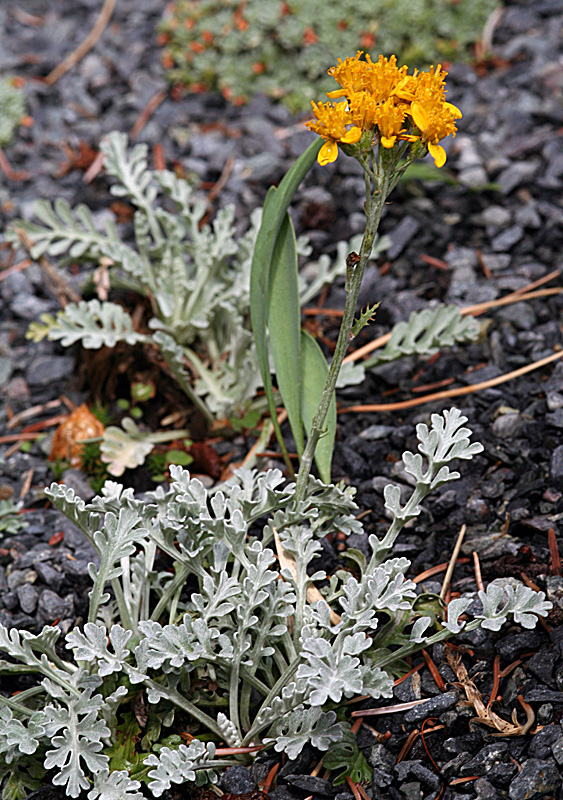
[288, 562]
[462, 390]
[484, 714]
[453, 559]
[77, 55]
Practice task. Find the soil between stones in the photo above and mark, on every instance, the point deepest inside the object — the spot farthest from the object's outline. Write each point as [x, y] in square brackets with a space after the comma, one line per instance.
[498, 227]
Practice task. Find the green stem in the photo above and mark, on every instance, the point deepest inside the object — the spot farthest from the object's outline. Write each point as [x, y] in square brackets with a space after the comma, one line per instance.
[354, 274]
[275, 691]
[409, 649]
[177, 699]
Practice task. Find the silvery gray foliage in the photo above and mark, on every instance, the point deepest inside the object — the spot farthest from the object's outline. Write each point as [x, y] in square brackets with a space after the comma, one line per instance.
[506, 598]
[178, 766]
[246, 654]
[197, 276]
[302, 726]
[426, 332]
[115, 786]
[445, 441]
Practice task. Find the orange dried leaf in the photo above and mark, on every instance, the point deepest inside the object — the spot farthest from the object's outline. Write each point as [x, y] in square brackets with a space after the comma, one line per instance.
[69, 436]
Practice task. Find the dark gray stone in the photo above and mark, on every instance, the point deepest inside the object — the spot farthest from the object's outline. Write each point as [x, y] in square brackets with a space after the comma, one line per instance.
[508, 425]
[485, 790]
[516, 174]
[486, 759]
[414, 769]
[311, 785]
[78, 482]
[436, 705]
[542, 665]
[543, 696]
[537, 780]
[45, 370]
[50, 607]
[542, 741]
[49, 576]
[401, 235]
[557, 751]
[10, 600]
[510, 647]
[35, 556]
[17, 577]
[238, 780]
[507, 239]
[556, 465]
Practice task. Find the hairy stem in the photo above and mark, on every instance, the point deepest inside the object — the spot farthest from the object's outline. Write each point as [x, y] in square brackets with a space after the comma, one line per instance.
[355, 268]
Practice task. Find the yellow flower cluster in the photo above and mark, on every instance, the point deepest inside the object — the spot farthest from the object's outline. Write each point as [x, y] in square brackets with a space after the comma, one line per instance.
[383, 99]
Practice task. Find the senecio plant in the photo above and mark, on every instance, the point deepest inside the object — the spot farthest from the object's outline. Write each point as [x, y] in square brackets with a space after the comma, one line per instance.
[211, 635]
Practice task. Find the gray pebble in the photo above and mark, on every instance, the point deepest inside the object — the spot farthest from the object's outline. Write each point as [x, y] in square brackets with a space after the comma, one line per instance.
[507, 426]
[507, 239]
[496, 216]
[486, 758]
[17, 577]
[401, 235]
[485, 790]
[45, 370]
[543, 740]
[432, 707]
[27, 597]
[10, 600]
[556, 465]
[78, 482]
[49, 576]
[542, 695]
[521, 172]
[557, 750]
[311, 785]
[50, 607]
[414, 769]
[473, 177]
[510, 647]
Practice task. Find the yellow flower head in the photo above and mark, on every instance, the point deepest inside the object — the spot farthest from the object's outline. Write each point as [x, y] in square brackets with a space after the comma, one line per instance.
[435, 120]
[382, 77]
[430, 86]
[350, 74]
[332, 123]
[389, 119]
[379, 95]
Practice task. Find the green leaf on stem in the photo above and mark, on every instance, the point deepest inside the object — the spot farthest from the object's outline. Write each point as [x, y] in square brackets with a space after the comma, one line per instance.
[314, 371]
[284, 324]
[275, 207]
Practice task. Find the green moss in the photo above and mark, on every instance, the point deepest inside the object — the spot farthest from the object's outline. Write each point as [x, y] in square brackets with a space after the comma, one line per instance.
[284, 49]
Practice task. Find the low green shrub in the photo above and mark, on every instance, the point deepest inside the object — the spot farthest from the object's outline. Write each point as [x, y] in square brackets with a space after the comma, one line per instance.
[283, 49]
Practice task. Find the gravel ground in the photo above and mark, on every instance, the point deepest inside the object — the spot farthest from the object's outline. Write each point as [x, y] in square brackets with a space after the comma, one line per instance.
[493, 230]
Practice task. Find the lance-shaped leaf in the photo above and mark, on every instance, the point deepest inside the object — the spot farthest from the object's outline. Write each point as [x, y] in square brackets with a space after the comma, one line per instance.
[284, 325]
[314, 371]
[275, 207]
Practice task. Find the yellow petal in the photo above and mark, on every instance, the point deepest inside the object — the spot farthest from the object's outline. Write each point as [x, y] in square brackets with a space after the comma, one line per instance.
[438, 154]
[419, 116]
[352, 136]
[401, 90]
[328, 153]
[454, 110]
[336, 93]
[388, 141]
